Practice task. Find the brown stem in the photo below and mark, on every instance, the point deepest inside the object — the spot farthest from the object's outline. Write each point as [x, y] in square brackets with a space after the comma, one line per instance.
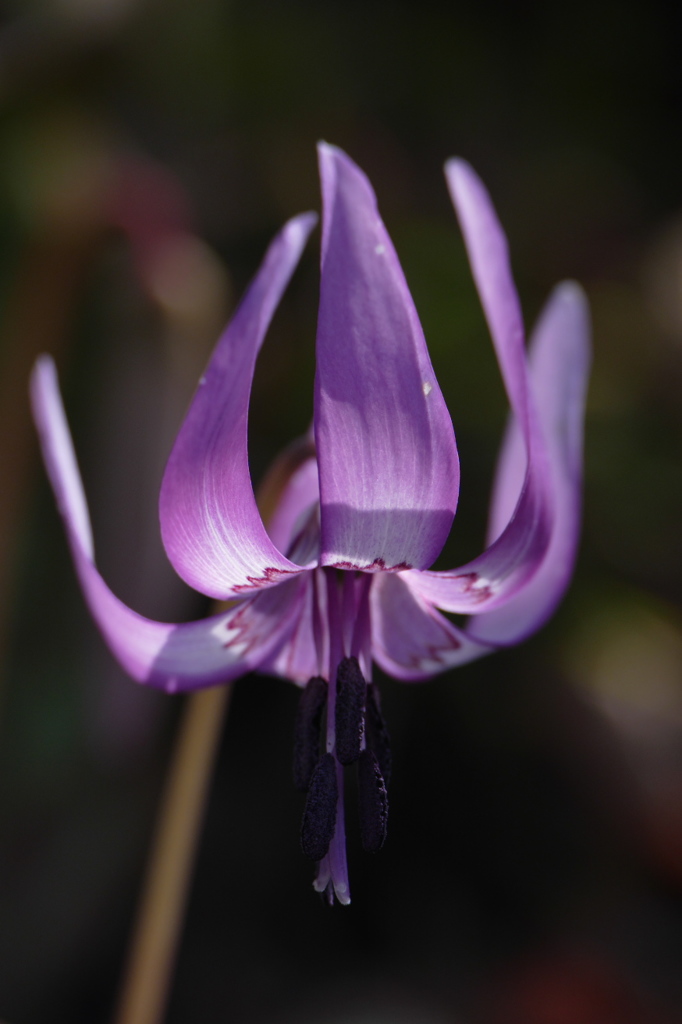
[157, 931]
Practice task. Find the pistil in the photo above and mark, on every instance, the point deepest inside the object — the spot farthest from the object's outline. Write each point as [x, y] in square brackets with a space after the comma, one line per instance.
[339, 724]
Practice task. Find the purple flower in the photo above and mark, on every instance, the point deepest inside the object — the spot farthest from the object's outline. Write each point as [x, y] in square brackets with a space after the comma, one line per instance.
[340, 576]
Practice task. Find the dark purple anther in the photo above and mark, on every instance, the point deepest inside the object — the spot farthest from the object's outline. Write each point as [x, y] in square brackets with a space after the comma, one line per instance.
[319, 817]
[307, 730]
[350, 710]
[372, 803]
[376, 731]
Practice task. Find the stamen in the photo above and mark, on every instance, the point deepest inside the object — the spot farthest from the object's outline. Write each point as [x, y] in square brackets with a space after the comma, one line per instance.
[350, 710]
[377, 733]
[319, 816]
[372, 803]
[307, 731]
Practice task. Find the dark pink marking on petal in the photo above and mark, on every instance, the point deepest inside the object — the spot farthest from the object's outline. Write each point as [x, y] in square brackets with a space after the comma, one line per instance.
[410, 639]
[170, 656]
[270, 575]
[210, 524]
[478, 593]
[378, 565]
[248, 630]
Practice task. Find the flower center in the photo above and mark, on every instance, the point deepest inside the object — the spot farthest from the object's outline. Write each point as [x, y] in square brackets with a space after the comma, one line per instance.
[340, 727]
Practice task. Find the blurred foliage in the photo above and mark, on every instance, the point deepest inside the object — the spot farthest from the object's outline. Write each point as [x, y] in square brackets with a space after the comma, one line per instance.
[534, 866]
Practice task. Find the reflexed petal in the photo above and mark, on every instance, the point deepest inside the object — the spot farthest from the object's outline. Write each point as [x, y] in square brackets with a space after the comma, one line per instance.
[389, 475]
[191, 655]
[560, 363]
[488, 253]
[410, 639]
[298, 497]
[493, 578]
[521, 538]
[175, 657]
[297, 659]
[211, 527]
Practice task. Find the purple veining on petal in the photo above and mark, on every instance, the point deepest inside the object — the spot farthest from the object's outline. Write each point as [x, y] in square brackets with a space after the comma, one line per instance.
[300, 494]
[517, 553]
[175, 657]
[410, 639]
[488, 253]
[211, 527]
[389, 474]
[297, 659]
[560, 358]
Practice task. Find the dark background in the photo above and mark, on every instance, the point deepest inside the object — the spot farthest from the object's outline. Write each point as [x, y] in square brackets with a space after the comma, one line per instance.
[148, 152]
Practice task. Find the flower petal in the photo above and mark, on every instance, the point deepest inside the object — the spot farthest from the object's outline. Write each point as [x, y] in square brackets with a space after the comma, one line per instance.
[410, 639]
[488, 253]
[300, 495]
[174, 657]
[211, 527]
[522, 537]
[560, 364]
[389, 474]
[297, 659]
[493, 578]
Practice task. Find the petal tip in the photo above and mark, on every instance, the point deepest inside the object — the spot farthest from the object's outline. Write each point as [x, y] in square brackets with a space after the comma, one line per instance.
[333, 159]
[460, 174]
[43, 360]
[457, 165]
[43, 369]
[571, 291]
[299, 228]
[571, 298]
[42, 386]
[326, 154]
[328, 149]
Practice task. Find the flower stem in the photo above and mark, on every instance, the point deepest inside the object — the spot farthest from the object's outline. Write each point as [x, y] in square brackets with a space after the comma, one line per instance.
[155, 940]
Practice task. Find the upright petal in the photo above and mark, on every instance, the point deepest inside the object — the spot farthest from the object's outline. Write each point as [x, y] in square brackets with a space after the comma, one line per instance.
[389, 474]
[560, 364]
[211, 527]
[522, 538]
[174, 657]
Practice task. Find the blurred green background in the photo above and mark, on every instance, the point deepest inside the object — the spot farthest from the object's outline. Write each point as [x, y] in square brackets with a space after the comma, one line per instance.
[148, 152]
